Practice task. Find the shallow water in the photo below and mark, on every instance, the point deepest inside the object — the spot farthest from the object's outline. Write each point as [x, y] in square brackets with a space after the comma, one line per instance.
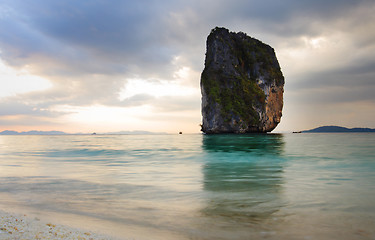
[272, 186]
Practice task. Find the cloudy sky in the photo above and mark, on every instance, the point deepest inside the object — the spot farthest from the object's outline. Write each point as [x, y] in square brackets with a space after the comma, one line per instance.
[96, 65]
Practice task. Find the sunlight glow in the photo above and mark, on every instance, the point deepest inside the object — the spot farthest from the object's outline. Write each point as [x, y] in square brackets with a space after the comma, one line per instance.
[157, 88]
[14, 81]
[104, 118]
[311, 53]
[182, 73]
[315, 43]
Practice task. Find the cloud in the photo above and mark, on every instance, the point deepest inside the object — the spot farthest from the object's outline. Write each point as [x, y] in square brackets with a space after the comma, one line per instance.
[177, 103]
[90, 50]
[13, 106]
[137, 100]
[142, 37]
[86, 37]
[16, 112]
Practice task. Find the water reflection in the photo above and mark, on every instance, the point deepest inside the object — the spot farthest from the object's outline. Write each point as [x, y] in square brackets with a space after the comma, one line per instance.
[243, 176]
[258, 143]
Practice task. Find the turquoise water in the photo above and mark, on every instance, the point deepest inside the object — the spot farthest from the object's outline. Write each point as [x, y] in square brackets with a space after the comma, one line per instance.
[273, 186]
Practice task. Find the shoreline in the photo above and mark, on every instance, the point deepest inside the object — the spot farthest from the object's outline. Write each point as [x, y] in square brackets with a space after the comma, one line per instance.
[18, 226]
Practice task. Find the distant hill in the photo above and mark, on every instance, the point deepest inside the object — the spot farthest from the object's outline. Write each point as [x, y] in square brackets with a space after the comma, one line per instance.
[328, 129]
[7, 132]
[138, 132]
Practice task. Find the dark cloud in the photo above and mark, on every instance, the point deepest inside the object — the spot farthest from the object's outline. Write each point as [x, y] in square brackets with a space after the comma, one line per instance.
[86, 36]
[334, 96]
[142, 37]
[347, 76]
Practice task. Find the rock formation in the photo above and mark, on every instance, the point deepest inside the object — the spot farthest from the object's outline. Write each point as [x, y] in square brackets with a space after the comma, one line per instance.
[242, 85]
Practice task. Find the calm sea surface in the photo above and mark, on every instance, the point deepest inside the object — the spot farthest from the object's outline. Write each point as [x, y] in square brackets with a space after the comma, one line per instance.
[274, 186]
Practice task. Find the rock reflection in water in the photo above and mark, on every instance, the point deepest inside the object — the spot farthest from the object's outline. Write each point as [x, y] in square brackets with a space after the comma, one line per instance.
[243, 177]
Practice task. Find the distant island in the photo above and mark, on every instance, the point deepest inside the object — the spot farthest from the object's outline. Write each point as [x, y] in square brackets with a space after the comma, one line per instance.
[336, 129]
[8, 132]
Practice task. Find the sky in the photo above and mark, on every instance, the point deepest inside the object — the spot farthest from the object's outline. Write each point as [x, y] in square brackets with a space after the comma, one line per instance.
[104, 66]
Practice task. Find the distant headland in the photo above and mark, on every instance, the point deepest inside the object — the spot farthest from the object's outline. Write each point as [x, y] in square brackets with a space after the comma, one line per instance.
[336, 129]
[8, 132]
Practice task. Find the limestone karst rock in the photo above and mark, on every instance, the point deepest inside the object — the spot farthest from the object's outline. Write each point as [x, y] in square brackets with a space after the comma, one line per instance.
[242, 85]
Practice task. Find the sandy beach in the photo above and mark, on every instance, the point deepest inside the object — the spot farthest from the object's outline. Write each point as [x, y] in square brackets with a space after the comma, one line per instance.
[15, 226]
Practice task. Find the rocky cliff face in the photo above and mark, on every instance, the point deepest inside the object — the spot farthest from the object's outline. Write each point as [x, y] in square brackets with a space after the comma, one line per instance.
[242, 85]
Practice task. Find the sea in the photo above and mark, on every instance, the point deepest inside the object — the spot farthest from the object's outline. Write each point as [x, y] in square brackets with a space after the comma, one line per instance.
[195, 186]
